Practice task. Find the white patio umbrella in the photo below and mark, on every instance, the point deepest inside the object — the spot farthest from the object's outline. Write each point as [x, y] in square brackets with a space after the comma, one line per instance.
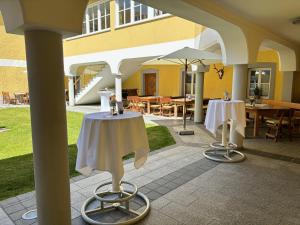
[186, 56]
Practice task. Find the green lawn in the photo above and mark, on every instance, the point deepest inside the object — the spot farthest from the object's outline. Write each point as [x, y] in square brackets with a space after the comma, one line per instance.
[16, 163]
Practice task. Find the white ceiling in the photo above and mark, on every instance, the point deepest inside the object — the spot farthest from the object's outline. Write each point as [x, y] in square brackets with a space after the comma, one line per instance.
[275, 15]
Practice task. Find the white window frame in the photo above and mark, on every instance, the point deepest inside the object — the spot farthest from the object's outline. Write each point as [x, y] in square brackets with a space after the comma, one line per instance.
[99, 16]
[124, 15]
[264, 66]
[106, 15]
[140, 6]
[259, 70]
[87, 22]
[151, 15]
[161, 13]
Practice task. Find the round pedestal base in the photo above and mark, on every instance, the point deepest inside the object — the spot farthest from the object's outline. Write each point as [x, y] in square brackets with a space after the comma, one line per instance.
[104, 207]
[30, 215]
[221, 153]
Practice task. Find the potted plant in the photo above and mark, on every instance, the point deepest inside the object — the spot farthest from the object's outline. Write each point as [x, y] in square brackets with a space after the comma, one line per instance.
[256, 92]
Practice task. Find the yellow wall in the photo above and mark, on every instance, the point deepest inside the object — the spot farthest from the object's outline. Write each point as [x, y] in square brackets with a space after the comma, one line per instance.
[169, 80]
[148, 32]
[11, 46]
[13, 79]
[213, 86]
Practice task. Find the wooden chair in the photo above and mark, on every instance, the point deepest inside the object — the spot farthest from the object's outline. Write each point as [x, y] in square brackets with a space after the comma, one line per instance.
[275, 125]
[138, 105]
[26, 98]
[130, 103]
[7, 99]
[167, 108]
[295, 122]
[155, 108]
[20, 98]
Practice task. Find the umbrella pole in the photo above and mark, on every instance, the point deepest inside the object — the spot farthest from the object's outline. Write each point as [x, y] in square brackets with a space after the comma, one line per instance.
[184, 92]
[185, 132]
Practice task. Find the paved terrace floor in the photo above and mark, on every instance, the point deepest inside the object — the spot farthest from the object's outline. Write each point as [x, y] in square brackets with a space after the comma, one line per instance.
[185, 188]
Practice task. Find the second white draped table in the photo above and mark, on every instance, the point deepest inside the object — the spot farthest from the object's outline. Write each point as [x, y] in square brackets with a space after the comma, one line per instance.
[220, 112]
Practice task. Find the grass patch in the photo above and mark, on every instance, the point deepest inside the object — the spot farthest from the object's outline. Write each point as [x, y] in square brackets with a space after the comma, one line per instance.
[16, 160]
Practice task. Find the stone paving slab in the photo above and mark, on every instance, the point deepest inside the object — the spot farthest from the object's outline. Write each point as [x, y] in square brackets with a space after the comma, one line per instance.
[4, 219]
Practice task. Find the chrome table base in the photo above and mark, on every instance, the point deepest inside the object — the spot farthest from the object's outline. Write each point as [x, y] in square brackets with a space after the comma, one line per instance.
[113, 201]
[224, 153]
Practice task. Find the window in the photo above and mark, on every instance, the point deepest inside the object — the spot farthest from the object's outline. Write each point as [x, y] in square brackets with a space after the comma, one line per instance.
[105, 15]
[92, 13]
[260, 78]
[129, 11]
[158, 12]
[84, 26]
[97, 17]
[124, 11]
[189, 83]
[140, 11]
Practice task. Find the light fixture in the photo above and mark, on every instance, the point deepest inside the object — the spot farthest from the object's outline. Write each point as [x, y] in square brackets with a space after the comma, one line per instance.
[296, 21]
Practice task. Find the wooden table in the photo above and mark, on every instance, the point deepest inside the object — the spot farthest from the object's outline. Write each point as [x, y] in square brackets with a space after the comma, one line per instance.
[261, 110]
[149, 100]
[20, 97]
[179, 102]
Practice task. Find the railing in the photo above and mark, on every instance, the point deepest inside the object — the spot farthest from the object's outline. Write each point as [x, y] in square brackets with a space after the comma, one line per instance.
[83, 81]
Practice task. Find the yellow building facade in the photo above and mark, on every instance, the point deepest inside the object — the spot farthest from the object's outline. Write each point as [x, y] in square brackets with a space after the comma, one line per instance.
[133, 31]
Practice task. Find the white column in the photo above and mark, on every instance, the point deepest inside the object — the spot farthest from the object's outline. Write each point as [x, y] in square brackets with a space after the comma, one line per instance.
[71, 91]
[239, 92]
[287, 86]
[199, 90]
[118, 88]
[44, 54]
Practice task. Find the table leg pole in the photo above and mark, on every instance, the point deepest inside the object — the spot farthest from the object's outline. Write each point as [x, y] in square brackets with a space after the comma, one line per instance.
[256, 124]
[115, 184]
[224, 134]
[148, 107]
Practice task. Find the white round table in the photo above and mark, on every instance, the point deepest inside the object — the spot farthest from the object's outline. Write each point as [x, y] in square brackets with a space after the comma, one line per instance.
[219, 112]
[103, 141]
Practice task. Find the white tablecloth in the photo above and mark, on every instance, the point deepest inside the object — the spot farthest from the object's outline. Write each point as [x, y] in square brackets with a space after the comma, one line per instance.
[104, 100]
[220, 111]
[104, 139]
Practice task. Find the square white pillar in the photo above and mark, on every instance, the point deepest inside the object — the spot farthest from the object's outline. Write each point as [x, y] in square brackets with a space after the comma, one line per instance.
[287, 86]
